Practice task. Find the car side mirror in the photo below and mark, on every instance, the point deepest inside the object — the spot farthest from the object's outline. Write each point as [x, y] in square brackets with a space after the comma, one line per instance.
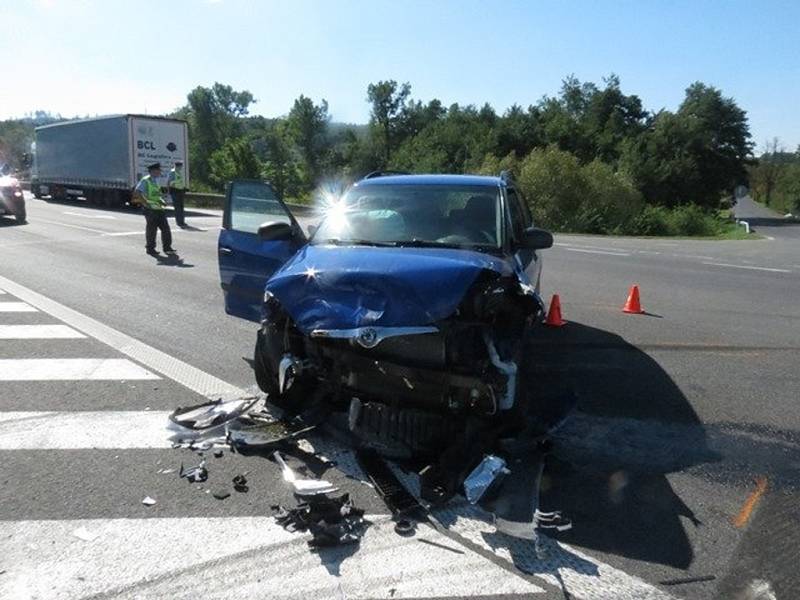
[275, 230]
[537, 239]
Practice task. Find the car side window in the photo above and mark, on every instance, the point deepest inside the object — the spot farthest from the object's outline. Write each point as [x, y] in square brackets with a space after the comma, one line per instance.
[253, 203]
[520, 217]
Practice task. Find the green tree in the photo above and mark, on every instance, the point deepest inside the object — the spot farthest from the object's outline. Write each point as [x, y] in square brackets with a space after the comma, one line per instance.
[235, 160]
[723, 145]
[215, 116]
[279, 166]
[664, 161]
[388, 102]
[307, 126]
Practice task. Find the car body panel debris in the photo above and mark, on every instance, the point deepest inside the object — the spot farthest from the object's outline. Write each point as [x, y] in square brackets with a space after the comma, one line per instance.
[213, 414]
[303, 487]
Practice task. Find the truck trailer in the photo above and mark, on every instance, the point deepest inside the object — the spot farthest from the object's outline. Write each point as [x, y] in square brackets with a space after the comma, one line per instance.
[102, 159]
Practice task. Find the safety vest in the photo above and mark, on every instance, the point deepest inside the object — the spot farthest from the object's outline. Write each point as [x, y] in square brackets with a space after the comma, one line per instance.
[177, 182]
[153, 195]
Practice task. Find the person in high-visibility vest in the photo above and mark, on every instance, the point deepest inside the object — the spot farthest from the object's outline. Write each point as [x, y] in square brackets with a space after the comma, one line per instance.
[148, 194]
[177, 188]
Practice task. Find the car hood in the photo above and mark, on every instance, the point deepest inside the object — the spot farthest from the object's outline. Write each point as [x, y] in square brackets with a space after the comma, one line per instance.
[335, 287]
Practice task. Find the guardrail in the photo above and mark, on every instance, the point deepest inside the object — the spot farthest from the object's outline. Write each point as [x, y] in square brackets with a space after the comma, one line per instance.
[214, 201]
[200, 200]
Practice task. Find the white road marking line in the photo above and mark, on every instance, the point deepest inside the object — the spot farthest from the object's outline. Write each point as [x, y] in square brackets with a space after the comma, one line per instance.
[71, 369]
[693, 256]
[647, 252]
[88, 215]
[16, 307]
[81, 227]
[176, 557]
[38, 332]
[81, 430]
[770, 269]
[598, 252]
[121, 233]
[611, 249]
[191, 377]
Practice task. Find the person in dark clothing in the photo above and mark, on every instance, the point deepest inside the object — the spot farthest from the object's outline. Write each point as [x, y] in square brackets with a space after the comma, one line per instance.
[177, 189]
[148, 194]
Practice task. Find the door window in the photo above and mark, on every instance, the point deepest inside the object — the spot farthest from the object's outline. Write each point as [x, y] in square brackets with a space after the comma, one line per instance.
[254, 203]
[520, 217]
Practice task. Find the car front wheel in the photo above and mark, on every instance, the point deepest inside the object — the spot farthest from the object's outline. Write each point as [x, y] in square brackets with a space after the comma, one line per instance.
[295, 399]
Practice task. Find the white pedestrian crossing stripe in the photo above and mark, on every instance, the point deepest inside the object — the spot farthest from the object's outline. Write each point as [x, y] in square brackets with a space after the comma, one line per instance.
[70, 369]
[33, 430]
[16, 307]
[38, 332]
[238, 557]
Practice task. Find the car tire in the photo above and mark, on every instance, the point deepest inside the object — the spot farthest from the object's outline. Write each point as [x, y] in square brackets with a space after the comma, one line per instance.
[294, 399]
[266, 379]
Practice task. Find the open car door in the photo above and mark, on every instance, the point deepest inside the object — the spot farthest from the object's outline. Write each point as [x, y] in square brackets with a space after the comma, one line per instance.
[245, 260]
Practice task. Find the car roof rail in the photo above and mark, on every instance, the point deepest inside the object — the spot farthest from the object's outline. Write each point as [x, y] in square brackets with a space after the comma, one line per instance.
[375, 174]
[507, 176]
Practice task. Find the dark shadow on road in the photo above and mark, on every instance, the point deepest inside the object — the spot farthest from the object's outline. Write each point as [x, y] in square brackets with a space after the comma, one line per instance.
[604, 473]
[171, 260]
[10, 222]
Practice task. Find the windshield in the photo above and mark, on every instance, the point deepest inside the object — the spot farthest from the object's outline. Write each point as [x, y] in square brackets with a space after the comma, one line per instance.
[436, 215]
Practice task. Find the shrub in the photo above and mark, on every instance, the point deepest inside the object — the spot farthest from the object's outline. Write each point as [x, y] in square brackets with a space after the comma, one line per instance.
[566, 196]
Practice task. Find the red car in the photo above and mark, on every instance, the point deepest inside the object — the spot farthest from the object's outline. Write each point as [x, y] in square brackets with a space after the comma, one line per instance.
[12, 200]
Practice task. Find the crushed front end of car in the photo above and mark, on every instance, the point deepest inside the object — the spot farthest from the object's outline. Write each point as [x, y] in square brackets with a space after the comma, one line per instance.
[420, 348]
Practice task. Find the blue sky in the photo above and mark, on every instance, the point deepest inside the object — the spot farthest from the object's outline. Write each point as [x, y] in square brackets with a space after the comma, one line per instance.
[104, 56]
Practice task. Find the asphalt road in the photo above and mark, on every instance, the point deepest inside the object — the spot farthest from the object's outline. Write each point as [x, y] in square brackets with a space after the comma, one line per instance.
[687, 419]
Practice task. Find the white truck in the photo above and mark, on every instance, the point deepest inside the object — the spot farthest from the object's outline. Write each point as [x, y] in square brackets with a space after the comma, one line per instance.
[102, 159]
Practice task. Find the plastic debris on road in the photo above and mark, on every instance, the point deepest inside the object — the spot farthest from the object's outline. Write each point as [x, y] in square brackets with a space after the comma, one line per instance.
[211, 415]
[196, 474]
[331, 521]
[303, 487]
[148, 501]
[84, 534]
[490, 470]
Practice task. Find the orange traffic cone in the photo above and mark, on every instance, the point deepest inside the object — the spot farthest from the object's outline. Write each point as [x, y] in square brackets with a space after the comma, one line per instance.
[554, 314]
[632, 304]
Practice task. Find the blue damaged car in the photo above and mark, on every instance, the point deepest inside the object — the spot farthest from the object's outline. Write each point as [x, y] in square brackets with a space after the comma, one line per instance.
[404, 307]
